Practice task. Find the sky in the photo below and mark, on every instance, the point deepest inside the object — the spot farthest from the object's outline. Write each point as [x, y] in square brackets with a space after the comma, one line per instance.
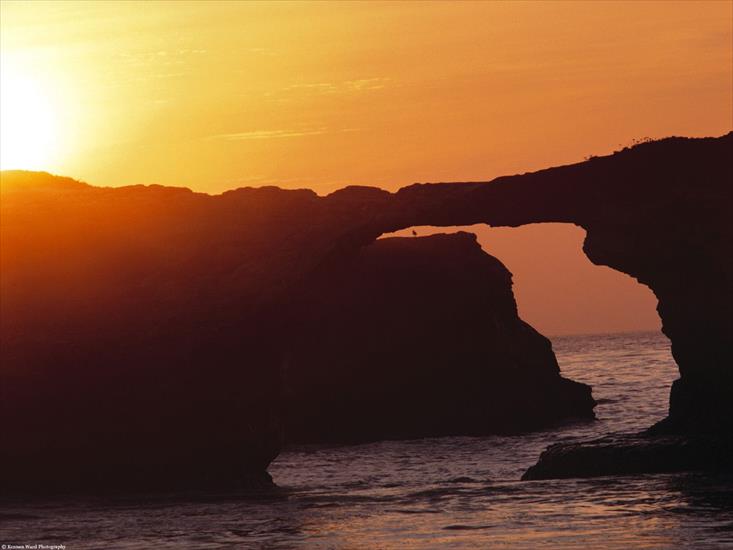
[219, 95]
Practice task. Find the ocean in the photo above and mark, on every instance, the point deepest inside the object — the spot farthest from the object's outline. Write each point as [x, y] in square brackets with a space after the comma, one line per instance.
[452, 492]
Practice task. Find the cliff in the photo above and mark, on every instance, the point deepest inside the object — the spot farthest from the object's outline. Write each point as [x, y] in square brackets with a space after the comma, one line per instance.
[145, 331]
[138, 349]
[419, 337]
[146, 324]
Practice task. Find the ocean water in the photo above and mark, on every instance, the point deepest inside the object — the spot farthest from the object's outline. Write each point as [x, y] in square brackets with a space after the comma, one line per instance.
[431, 493]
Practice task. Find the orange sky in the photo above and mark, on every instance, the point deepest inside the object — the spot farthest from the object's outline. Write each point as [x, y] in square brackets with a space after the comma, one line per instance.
[220, 95]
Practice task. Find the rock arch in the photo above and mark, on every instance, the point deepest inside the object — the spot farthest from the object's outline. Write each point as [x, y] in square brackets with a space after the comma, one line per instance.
[660, 212]
[136, 311]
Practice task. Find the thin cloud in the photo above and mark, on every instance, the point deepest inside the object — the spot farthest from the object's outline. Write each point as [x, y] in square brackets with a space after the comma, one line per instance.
[345, 86]
[277, 134]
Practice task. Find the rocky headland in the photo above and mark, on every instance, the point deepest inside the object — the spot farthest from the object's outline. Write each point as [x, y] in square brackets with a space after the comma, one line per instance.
[143, 328]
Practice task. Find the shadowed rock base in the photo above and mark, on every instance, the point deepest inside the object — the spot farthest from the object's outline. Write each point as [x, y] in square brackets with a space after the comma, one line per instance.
[634, 454]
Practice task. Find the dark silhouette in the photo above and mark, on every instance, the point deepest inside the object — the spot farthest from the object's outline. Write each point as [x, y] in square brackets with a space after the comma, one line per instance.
[634, 454]
[419, 337]
[143, 328]
[661, 212]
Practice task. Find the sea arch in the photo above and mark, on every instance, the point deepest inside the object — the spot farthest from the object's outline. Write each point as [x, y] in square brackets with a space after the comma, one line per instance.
[659, 212]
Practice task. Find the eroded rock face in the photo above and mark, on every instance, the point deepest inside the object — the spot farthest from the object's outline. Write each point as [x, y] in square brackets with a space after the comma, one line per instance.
[116, 303]
[144, 330]
[138, 348]
[419, 337]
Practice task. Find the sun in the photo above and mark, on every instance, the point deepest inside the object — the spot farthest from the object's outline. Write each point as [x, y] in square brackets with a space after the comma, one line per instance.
[28, 120]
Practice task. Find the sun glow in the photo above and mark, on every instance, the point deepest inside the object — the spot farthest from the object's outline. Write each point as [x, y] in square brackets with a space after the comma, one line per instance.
[28, 120]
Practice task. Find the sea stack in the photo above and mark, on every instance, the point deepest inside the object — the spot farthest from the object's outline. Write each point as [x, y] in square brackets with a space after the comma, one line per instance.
[420, 337]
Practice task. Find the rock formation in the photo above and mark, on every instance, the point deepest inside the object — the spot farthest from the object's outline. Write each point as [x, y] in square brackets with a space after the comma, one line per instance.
[628, 454]
[660, 212]
[419, 337]
[116, 303]
[145, 331]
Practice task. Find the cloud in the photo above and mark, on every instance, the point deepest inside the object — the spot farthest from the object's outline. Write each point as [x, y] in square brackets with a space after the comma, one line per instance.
[366, 84]
[276, 134]
[345, 86]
